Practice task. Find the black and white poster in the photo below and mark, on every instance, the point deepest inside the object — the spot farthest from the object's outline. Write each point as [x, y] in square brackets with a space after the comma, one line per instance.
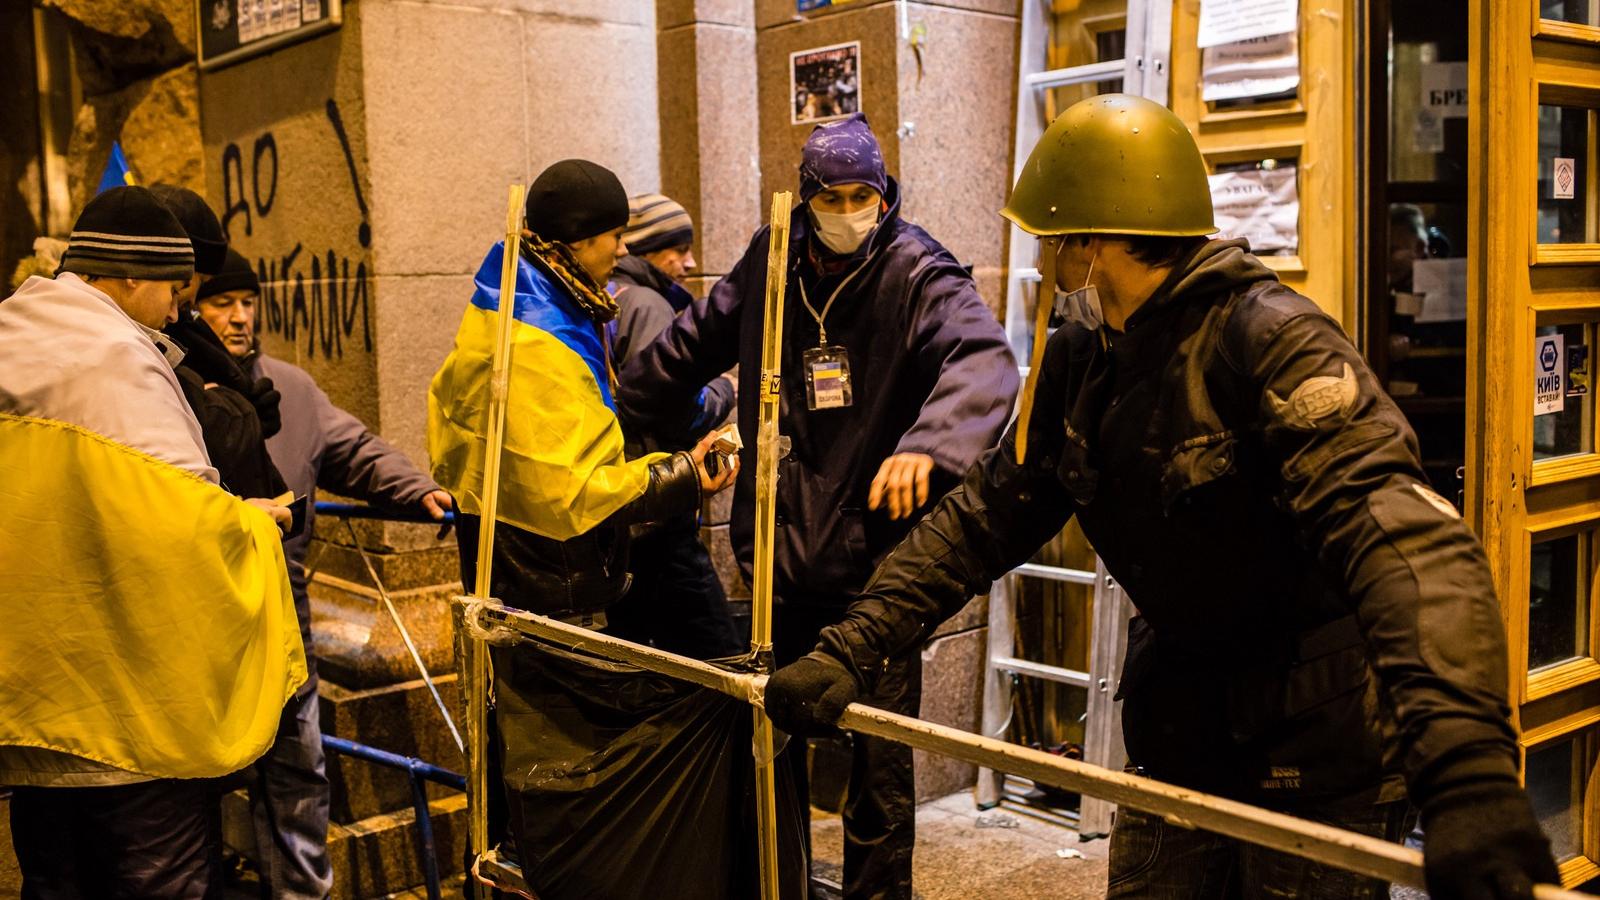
[825, 83]
[234, 30]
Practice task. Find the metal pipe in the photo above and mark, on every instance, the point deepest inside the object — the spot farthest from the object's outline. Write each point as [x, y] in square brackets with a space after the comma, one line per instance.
[423, 769]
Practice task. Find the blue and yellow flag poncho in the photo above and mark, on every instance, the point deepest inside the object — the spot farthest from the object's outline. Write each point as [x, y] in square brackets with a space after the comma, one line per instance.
[147, 620]
[563, 470]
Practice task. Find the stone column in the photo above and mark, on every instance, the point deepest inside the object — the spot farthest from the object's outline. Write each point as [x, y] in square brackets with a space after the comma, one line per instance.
[365, 173]
[938, 85]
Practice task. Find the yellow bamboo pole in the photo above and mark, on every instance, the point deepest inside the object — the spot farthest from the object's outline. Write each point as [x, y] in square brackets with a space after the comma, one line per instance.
[477, 663]
[1041, 327]
[766, 493]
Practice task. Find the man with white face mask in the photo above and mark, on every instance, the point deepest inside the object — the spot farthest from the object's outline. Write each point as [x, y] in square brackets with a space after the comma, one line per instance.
[896, 376]
[1317, 629]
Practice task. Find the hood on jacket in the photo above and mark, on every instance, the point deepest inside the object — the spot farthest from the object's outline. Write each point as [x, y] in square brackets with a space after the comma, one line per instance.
[1217, 266]
[636, 271]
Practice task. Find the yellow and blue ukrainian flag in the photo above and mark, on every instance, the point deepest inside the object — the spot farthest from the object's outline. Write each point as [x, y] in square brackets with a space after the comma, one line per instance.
[148, 620]
[564, 470]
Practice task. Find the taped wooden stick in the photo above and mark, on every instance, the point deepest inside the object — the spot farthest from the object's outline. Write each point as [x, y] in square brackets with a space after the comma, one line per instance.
[1043, 304]
[766, 519]
[1181, 806]
[476, 666]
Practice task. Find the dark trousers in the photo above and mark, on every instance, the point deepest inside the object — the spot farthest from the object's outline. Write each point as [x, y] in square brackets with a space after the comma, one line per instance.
[156, 840]
[1155, 860]
[676, 602]
[289, 803]
[880, 811]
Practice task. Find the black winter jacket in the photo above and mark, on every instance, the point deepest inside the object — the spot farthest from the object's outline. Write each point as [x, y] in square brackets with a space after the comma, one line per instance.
[1314, 621]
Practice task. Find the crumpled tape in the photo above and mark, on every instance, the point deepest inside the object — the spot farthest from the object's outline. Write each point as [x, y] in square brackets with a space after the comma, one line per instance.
[495, 635]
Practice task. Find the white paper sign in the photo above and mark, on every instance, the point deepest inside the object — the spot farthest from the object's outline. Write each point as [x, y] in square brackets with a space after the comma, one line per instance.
[1230, 21]
[1444, 89]
[1259, 205]
[1563, 175]
[1258, 67]
[1443, 286]
[1549, 373]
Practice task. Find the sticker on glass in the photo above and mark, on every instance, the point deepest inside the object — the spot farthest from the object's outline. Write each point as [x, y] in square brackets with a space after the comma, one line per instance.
[1563, 175]
[1549, 375]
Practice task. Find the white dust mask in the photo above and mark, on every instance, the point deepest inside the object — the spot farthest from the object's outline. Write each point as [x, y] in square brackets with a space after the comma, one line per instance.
[1082, 306]
[845, 232]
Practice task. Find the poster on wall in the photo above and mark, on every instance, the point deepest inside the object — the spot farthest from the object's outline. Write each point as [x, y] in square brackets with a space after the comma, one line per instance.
[825, 83]
[235, 30]
[1257, 67]
[1261, 205]
[1231, 21]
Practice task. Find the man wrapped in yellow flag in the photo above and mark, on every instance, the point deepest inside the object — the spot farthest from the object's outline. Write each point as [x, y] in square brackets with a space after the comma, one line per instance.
[568, 492]
[150, 638]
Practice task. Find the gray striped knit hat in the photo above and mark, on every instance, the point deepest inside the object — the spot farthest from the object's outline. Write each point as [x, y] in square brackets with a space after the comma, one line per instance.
[656, 222]
[127, 233]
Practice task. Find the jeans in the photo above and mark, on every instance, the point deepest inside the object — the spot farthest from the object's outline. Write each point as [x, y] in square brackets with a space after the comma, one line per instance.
[154, 840]
[1153, 859]
[289, 803]
[880, 811]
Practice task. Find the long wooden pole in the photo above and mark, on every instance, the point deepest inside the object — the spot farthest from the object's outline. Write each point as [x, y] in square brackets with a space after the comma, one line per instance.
[1043, 304]
[1181, 806]
[477, 662]
[766, 498]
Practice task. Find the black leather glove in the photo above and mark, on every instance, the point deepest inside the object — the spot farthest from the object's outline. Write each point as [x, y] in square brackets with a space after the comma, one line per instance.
[1482, 842]
[264, 397]
[806, 697]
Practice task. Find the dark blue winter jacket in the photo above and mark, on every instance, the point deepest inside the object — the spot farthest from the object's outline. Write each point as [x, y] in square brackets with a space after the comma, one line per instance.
[931, 373]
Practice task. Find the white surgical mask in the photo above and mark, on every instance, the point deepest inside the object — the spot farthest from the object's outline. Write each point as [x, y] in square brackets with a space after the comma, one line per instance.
[845, 232]
[1082, 306]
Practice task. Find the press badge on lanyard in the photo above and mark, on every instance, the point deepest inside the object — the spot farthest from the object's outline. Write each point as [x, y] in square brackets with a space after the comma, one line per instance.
[827, 377]
[827, 366]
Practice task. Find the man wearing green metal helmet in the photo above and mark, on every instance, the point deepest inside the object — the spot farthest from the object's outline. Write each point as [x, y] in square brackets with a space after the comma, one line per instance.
[1317, 629]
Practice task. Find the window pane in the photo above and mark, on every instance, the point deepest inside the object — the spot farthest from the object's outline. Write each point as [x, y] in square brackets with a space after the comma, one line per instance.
[1558, 596]
[1557, 796]
[1563, 409]
[1563, 175]
[1581, 12]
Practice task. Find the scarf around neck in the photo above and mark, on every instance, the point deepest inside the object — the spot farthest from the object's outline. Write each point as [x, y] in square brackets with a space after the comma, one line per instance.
[558, 260]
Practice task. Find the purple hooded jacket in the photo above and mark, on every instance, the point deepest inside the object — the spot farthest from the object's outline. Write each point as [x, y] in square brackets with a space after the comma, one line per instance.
[931, 373]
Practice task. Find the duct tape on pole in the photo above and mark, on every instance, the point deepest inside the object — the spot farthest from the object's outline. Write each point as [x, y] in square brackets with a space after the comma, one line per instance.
[766, 493]
[477, 667]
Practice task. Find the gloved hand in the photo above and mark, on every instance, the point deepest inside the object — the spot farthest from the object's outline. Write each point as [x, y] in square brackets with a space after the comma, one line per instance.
[264, 397]
[806, 697]
[1482, 842]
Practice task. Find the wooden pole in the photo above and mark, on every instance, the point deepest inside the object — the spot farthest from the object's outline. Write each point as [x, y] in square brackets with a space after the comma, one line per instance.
[1043, 304]
[477, 662]
[1180, 806]
[766, 498]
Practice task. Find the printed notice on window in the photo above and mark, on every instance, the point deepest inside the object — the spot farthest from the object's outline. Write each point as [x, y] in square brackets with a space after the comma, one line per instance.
[1442, 283]
[1231, 21]
[1549, 375]
[1258, 67]
[1260, 205]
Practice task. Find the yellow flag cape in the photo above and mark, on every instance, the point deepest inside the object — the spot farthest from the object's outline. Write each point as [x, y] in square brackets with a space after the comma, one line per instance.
[564, 470]
[145, 615]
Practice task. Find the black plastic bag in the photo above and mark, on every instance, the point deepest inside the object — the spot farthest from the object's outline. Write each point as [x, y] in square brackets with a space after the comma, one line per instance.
[623, 784]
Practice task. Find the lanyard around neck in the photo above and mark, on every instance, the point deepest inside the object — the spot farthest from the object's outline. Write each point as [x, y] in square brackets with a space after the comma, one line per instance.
[822, 330]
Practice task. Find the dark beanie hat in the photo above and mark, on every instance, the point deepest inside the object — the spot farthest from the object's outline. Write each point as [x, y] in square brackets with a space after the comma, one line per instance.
[126, 233]
[196, 217]
[576, 199]
[842, 152]
[236, 275]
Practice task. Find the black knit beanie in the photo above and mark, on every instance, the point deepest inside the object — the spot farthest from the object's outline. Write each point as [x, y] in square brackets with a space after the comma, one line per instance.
[236, 275]
[199, 221]
[126, 233]
[576, 199]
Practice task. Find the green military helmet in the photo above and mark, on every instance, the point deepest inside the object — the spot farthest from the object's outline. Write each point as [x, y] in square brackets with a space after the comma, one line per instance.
[1114, 164]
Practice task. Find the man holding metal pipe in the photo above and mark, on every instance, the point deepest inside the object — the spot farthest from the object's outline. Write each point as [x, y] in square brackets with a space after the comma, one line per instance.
[895, 376]
[1318, 631]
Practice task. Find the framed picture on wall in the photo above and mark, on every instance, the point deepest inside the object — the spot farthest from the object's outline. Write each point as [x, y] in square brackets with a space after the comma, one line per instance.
[825, 83]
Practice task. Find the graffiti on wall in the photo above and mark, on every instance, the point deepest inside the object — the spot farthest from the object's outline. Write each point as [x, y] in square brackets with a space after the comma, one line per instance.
[318, 299]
